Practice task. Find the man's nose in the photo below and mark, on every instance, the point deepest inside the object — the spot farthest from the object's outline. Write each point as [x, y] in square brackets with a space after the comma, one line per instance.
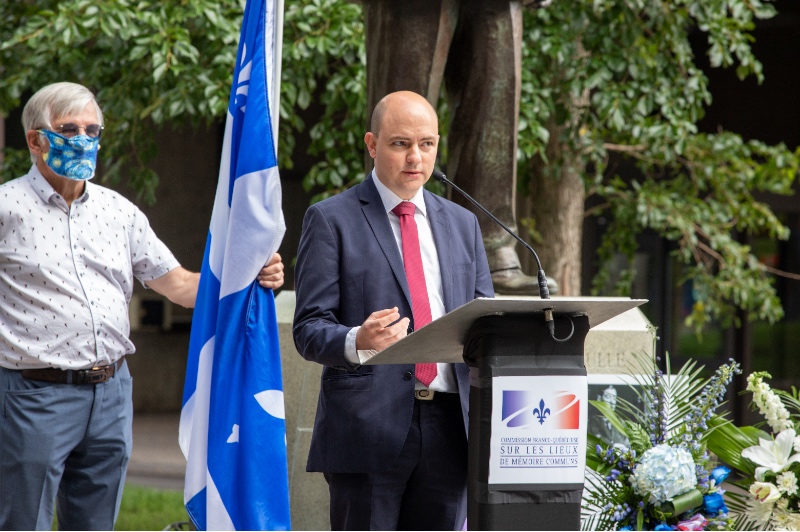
[413, 154]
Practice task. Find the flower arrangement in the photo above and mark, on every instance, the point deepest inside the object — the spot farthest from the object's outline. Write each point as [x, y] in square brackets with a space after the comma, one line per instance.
[664, 479]
[769, 463]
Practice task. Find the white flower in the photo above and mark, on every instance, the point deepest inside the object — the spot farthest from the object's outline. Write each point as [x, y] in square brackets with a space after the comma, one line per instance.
[797, 444]
[772, 455]
[785, 520]
[769, 404]
[754, 384]
[779, 520]
[787, 483]
[765, 492]
[664, 472]
[793, 521]
[776, 414]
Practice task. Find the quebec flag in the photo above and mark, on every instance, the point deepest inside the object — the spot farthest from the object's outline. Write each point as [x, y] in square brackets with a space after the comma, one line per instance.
[233, 429]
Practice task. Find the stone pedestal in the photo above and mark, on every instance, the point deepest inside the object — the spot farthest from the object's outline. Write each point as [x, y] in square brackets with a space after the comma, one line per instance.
[612, 345]
[308, 492]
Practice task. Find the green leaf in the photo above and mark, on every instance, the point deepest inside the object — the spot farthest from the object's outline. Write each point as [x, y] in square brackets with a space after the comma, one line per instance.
[611, 416]
[727, 441]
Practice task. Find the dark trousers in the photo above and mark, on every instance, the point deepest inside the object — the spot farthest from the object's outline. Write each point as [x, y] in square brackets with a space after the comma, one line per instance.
[426, 488]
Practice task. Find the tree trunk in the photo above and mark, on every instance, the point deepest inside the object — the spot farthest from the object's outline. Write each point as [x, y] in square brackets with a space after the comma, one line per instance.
[555, 202]
[2, 137]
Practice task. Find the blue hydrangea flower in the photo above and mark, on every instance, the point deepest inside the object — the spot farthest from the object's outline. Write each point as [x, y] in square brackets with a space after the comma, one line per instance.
[663, 472]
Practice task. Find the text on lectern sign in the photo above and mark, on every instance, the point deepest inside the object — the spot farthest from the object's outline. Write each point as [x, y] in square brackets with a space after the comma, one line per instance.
[538, 430]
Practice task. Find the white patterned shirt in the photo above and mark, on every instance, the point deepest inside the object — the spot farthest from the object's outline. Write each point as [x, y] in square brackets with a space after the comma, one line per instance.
[66, 274]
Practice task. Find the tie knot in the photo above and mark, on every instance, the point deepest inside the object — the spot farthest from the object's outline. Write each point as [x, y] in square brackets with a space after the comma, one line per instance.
[405, 208]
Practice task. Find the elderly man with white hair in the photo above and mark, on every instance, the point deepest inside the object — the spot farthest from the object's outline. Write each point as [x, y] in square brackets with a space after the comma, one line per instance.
[69, 252]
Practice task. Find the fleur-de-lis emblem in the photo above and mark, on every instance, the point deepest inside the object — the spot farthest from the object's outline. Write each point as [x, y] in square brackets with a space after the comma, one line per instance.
[541, 412]
[243, 83]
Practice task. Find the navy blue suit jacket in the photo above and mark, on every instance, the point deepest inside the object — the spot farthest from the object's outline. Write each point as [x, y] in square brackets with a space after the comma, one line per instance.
[349, 266]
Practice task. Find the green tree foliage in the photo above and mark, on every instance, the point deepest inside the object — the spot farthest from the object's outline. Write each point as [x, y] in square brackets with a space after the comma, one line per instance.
[149, 62]
[152, 62]
[616, 80]
[323, 68]
[620, 83]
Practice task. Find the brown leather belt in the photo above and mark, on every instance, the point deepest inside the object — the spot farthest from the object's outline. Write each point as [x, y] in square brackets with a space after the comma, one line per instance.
[94, 375]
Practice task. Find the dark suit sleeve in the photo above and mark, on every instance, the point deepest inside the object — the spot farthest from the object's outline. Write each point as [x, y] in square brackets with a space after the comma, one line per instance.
[483, 278]
[318, 334]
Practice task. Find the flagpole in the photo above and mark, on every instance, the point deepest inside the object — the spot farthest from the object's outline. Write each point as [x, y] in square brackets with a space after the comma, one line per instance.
[275, 89]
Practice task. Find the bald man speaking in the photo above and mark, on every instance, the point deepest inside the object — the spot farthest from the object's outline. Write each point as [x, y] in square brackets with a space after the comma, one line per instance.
[374, 263]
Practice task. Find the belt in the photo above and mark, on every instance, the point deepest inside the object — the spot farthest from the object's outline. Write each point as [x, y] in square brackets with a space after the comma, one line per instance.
[95, 375]
[424, 395]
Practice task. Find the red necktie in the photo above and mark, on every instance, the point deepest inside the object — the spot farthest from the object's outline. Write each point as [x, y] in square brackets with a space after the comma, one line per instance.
[412, 260]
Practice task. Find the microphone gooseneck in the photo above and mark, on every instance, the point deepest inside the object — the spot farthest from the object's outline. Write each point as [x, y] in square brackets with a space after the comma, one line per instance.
[544, 292]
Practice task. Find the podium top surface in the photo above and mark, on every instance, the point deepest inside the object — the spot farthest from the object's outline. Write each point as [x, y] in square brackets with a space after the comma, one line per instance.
[442, 340]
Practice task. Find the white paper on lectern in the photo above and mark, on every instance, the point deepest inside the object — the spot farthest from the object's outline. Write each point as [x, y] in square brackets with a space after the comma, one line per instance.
[365, 354]
[538, 429]
[442, 340]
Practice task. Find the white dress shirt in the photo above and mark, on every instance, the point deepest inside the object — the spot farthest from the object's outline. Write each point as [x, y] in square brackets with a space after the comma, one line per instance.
[445, 379]
[66, 274]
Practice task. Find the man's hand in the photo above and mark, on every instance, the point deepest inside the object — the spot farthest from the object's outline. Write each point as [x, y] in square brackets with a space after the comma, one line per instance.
[271, 275]
[378, 333]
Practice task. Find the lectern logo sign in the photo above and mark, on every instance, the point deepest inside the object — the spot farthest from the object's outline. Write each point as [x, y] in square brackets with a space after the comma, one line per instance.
[538, 429]
[526, 409]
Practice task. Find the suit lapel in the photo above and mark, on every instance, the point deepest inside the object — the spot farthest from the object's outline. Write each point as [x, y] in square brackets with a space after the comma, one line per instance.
[372, 207]
[441, 237]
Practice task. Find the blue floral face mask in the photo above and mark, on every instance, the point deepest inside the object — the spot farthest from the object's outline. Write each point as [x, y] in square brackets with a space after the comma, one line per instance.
[74, 158]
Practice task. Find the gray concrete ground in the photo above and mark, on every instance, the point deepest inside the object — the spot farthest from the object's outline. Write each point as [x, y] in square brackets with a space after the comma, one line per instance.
[156, 460]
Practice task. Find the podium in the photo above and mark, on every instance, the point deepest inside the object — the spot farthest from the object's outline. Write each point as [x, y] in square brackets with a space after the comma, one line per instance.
[528, 403]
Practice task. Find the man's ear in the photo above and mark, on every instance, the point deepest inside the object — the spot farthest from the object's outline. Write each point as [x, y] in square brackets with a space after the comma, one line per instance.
[36, 143]
[371, 141]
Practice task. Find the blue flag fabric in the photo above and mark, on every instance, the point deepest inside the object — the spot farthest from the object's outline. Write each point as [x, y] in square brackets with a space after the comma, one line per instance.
[233, 429]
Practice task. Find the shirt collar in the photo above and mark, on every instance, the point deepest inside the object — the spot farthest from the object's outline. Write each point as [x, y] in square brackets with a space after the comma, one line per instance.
[45, 190]
[391, 200]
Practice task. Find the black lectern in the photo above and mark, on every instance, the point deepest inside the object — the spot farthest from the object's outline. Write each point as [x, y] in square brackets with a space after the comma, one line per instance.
[528, 403]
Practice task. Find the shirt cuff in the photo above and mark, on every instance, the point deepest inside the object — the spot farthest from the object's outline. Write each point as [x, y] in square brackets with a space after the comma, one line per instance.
[350, 353]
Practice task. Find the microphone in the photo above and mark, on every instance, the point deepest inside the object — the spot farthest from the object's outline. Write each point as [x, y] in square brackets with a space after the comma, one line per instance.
[544, 292]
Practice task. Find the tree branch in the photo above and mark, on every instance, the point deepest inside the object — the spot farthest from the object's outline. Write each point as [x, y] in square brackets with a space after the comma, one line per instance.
[624, 148]
[781, 273]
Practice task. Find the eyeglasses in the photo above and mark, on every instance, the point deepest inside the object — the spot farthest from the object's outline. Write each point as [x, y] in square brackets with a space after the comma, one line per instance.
[69, 130]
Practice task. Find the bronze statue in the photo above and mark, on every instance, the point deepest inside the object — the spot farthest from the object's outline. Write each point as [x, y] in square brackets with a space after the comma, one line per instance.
[474, 47]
